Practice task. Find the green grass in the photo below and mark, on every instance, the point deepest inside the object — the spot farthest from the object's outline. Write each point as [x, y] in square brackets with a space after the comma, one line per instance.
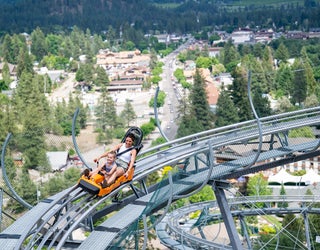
[273, 220]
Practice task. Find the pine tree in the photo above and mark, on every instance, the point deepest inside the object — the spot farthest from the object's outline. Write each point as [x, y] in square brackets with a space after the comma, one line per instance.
[282, 53]
[6, 74]
[24, 63]
[293, 234]
[226, 112]
[261, 103]
[283, 81]
[34, 111]
[240, 94]
[8, 122]
[6, 49]
[128, 113]
[196, 114]
[39, 47]
[229, 53]
[101, 77]
[283, 204]
[200, 108]
[311, 82]
[106, 115]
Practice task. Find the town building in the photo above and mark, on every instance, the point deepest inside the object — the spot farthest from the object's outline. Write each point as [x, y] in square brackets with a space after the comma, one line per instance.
[127, 70]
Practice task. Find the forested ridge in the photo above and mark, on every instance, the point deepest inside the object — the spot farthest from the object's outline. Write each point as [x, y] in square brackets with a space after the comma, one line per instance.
[185, 17]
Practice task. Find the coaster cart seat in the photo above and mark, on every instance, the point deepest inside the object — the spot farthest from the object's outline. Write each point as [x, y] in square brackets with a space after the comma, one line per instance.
[92, 184]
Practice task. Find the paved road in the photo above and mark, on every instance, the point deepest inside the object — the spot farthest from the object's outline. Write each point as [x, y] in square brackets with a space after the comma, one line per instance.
[64, 90]
[169, 86]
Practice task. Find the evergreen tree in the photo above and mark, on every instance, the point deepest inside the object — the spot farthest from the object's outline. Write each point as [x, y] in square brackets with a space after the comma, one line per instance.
[64, 113]
[101, 77]
[257, 73]
[26, 189]
[6, 49]
[3, 129]
[6, 74]
[85, 74]
[8, 120]
[106, 115]
[153, 59]
[199, 106]
[188, 125]
[54, 43]
[267, 65]
[24, 63]
[258, 50]
[196, 115]
[261, 103]
[33, 109]
[283, 204]
[240, 94]
[282, 53]
[128, 113]
[226, 112]
[293, 233]
[39, 47]
[311, 82]
[111, 36]
[229, 54]
[299, 88]
[11, 46]
[283, 81]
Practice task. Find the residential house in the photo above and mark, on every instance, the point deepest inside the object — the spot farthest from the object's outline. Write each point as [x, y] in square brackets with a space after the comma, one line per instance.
[122, 59]
[58, 160]
[242, 36]
[12, 68]
[214, 51]
[224, 78]
[264, 36]
[211, 88]
[163, 38]
[133, 85]
[123, 67]
[54, 75]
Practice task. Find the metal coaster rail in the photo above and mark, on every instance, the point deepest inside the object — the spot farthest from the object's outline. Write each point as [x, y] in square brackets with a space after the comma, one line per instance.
[195, 147]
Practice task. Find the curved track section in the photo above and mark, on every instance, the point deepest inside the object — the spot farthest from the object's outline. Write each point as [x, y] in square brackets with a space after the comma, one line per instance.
[5, 177]
[52, 222]
[178, 231]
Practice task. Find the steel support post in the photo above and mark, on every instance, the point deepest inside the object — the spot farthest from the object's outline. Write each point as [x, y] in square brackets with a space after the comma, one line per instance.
[218, 188]
[245, 231]
[306, 226]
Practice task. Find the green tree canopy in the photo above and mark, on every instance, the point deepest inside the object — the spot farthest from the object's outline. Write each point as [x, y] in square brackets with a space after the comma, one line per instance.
[226, 112]
[282, 53]
[128, 113]
[240, 94]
